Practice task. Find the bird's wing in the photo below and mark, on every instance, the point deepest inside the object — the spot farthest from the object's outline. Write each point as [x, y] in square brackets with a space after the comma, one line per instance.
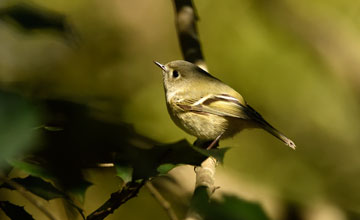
[229, 106]
[222, 105]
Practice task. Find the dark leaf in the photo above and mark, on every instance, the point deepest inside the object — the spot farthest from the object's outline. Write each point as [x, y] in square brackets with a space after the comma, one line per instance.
[38, 187]
[45, 190]
[29, 17]
[33, 17]
[162, 158]
[79, 189]
[150, 162]
[15, 212]
[236, 208]
[217, 153]
[230, 207]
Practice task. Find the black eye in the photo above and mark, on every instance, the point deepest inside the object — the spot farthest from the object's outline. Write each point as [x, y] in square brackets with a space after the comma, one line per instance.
[175, 74]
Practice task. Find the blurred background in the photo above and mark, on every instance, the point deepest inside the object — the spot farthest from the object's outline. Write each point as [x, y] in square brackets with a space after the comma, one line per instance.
[296, 62]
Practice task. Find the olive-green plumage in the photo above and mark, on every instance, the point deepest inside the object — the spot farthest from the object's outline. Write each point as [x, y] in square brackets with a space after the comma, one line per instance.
[207, 108]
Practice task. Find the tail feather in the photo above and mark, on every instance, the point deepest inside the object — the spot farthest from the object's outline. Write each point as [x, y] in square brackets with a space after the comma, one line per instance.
[255, 116]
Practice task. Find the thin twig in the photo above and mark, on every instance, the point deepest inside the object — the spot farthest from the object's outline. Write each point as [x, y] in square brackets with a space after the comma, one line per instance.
[130, 190]
[161, 200]
[185, 21]
[27, 195]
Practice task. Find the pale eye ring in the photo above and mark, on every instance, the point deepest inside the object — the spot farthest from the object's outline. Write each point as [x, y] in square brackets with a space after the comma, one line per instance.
[175, 74]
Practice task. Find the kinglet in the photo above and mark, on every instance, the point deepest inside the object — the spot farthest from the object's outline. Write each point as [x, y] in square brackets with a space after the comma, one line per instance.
[207, 108]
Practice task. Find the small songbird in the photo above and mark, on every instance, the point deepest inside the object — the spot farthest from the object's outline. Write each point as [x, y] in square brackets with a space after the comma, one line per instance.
[207, 108]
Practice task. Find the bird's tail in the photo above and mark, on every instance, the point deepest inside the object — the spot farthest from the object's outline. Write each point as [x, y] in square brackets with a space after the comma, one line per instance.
[255, 116]
[279, 135]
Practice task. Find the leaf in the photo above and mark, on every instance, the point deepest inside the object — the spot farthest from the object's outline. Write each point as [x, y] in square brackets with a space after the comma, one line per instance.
[30, 17]
[124, 172]
[168, 156]
[38, 187]
[236, 208]
[165, 168]
[146, 162]
[79, 189]
[15, 212]
[18, 118]
[44, 190]
[217, 153]
[33, 17]
[229, 207]
[32, 169]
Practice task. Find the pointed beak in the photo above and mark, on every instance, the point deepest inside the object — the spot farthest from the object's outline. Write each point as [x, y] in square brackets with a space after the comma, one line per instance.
[160, 65]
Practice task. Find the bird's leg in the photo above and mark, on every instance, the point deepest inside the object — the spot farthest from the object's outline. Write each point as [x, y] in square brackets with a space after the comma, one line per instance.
[214, 143]
[208, 144]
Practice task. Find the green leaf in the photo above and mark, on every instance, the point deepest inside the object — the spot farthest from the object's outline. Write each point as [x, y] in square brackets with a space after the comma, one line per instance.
[18, 118]
[229, 207]
[237, 208]
[32, 169]
[124, 172]
[150, 162]
[38, 187]
[15, 212]
[162, 158]
[165, 168]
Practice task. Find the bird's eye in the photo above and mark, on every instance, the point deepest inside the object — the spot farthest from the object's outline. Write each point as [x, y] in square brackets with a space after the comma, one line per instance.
[175, 74]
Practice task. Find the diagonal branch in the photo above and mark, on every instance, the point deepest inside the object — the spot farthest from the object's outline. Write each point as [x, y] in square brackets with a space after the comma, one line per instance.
[162, 201]
[130, 190]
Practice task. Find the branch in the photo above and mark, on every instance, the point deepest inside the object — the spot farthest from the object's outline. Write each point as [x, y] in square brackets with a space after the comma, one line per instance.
[162, 201]
[27, 195]
[130, 190]
[187, 32]
[204, 178]
[191, 49]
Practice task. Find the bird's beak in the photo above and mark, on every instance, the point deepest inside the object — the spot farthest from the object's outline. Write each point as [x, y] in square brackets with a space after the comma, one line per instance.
[160, 65]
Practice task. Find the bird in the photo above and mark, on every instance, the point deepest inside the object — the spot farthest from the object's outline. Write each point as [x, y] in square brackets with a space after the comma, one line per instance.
[205, 107]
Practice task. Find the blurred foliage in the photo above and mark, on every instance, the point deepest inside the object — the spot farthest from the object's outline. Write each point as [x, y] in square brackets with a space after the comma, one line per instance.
[230, 207]
[65, 139]
[29, 18]
[294, 61]
[14, 211]
[41, 188]
[37, 186]
[18, 120]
